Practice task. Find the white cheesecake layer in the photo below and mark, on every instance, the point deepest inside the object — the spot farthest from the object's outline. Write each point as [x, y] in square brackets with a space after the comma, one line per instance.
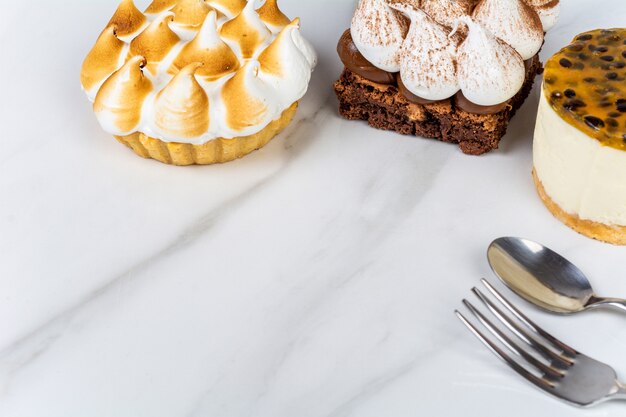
[579, 174]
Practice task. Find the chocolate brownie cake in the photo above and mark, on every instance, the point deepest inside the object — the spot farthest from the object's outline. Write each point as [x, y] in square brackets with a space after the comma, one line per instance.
[436, 69]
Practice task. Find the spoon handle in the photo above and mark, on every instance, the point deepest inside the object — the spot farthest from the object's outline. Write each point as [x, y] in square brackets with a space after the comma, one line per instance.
[615, 303]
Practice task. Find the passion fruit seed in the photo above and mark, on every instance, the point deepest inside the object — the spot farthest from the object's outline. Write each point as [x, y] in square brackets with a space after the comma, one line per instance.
[594, 122]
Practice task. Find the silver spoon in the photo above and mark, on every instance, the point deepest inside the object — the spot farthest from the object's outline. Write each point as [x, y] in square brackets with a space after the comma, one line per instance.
[544, 278]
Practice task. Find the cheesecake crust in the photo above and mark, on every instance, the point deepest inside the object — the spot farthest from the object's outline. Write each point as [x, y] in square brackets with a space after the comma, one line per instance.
[602, 232]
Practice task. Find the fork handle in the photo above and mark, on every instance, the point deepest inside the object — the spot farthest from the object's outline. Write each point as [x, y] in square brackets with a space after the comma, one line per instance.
[615, 303]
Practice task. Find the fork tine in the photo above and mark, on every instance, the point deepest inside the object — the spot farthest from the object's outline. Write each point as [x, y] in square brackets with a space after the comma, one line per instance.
[541, 383]
[521, 333]
[545, 369]
[529, 323]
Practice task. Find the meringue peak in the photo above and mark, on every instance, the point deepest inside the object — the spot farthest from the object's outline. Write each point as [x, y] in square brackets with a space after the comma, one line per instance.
[428, 57]
[160, 6]
[156, 41]
[446, 12]
[246, 32]
[190, 14]
[548, 11]
[378, 33]
[229, 8]
[118, 105]
[283, 65]
[490, 71]
[271, 60]
[272, 16]
[216, 56]
[182, 108]
[514, 22]
[128, 20]
[102, 61]
[242, 96]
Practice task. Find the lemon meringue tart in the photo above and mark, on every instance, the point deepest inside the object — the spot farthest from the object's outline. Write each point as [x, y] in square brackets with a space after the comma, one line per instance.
[197, 81]
[452, 70]
[580, 136]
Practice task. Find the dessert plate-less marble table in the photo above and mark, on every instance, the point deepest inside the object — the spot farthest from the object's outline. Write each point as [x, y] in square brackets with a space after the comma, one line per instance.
[314, 278]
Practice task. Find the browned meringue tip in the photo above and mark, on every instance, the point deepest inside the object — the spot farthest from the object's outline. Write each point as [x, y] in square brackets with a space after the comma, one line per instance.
[155, 42]
[229, 8]
[243, 109]
[127, 19]
[241, 30]
[207, 48]
[182, 107]
[122, 95]
[270, 59]
[102, 60]
[271, 14]
[158, 6]
[190, 14]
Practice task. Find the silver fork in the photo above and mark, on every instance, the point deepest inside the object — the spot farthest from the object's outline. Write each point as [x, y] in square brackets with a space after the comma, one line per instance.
[546, 362]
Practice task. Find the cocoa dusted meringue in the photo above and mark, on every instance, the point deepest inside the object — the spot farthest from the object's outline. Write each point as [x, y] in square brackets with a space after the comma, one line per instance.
[104, 59]
[181, 109]
[128, 20]
[155, 43]
[246, 33]
[548, 11]
[378, 32]
[119, 103]
[490, 71]
[428, 57]
[196, 71]
[272, 16]
[514, 22]
[446, 12]
[207, 48]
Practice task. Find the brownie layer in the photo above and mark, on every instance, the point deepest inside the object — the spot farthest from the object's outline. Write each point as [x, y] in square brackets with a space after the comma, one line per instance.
[384, 107]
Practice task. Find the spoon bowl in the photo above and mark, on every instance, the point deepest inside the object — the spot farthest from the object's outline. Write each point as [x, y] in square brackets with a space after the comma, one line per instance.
[543, 277]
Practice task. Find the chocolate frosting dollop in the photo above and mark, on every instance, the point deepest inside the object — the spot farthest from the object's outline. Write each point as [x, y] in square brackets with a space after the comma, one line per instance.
[356, 62]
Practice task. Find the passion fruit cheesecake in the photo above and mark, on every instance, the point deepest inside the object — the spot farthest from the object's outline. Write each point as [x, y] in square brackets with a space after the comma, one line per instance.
[580, 136]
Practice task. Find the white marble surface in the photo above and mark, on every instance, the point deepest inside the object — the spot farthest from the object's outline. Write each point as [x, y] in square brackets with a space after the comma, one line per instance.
[316, 277]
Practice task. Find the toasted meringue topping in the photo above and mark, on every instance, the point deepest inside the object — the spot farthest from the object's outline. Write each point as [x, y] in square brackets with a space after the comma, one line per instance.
[190, 14]
[514, 22]
[378, 32]
[128, 20]
[119, 102]
[207, 48]
[272, 16]
[283, 65]
[446, 12]
[245, 99]
[160, 6]
[428, 57]
[104, 59]
[490, 71]
[246, 33]
[548, 11]
[200, 82]
[229, 8]
[181, 109]
[155, 42]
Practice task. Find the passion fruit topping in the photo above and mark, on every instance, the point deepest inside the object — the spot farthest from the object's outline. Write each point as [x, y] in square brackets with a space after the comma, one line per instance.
[585, 83]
